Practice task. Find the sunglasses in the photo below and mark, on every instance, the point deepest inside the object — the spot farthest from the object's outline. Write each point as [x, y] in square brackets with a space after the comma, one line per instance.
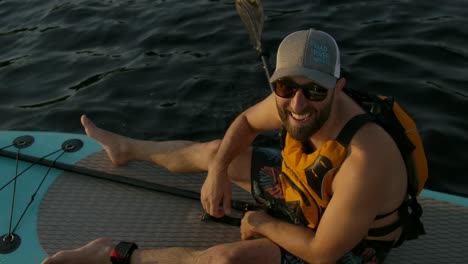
[287, 88]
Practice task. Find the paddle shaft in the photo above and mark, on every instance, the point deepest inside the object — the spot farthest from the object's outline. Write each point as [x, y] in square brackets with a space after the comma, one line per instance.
[251, 14]
[267, 71]
[238, 205]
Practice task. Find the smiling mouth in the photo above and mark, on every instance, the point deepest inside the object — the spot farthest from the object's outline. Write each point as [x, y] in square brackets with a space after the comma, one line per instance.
[300, 117]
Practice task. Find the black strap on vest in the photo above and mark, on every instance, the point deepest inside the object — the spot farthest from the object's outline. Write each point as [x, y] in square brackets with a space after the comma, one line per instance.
[385, 215]
[344, 138]
[410, 213]
[384, 230]
[351, 127]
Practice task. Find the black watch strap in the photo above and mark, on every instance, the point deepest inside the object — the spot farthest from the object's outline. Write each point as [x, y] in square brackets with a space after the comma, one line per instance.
[122, 252]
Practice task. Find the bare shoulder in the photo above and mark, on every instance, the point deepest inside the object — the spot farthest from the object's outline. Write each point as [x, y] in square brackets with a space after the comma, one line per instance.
[264, 115]
[375, 163]
[371, 181]
[373, 143]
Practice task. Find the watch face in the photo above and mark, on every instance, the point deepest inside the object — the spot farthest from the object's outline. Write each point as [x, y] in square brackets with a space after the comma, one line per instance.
[116, 257]
[122, 252]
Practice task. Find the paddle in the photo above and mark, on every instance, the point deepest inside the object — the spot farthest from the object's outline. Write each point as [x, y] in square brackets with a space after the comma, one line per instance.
[251, 14]
[238, 205]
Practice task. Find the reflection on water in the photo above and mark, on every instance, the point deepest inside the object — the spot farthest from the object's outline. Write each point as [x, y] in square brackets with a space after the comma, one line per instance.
[169, 69]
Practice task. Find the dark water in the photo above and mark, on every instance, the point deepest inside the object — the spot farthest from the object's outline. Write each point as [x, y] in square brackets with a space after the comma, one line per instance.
[184, 69]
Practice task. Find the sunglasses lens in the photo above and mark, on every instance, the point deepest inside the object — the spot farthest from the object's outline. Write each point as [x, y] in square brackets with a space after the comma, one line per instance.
[285, 88]
[314, 92]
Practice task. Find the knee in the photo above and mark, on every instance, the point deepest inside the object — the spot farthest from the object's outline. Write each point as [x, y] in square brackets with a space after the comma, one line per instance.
[212, 148]
[220, 254]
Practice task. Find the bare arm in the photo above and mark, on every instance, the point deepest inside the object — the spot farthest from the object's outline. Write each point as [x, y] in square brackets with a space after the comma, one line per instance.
[241, 133]
[360, 190]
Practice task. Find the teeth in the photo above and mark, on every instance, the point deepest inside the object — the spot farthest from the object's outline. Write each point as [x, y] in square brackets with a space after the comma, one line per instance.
[300, 117]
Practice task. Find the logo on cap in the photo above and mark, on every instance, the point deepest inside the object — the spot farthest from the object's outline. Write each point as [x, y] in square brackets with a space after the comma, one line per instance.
[320, 53]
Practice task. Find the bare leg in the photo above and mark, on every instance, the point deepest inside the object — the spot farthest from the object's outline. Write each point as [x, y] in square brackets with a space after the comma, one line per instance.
[251, 251]
[257, 251]
[177, 155]
[97, 251]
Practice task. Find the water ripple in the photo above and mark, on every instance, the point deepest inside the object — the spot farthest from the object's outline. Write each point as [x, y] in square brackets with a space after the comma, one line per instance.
[11, 61]
[46, 103]
[173, 69]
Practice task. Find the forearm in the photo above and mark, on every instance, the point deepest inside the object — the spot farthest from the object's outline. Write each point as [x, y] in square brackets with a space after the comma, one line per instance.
[296, 239]
[217, 188]
[242, 132]
[238, 138]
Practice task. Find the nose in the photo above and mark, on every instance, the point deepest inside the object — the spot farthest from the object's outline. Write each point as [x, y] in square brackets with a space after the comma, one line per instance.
[298, 102]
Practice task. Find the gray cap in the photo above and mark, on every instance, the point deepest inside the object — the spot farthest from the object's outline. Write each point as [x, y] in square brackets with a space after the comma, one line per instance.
[312, 54]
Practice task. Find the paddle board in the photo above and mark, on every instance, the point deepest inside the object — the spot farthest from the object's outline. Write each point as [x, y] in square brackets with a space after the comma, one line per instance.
[63, 192]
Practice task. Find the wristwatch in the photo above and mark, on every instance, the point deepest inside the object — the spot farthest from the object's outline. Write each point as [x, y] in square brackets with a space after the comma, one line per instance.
[122, 252]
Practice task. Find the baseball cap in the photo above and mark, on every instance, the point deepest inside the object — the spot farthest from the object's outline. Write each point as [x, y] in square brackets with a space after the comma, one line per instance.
[312, 54]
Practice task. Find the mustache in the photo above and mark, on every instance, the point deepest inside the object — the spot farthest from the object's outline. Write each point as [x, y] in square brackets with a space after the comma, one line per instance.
[305, 111]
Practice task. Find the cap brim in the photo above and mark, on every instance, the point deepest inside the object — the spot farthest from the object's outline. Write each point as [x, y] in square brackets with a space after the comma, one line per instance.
[318, 77]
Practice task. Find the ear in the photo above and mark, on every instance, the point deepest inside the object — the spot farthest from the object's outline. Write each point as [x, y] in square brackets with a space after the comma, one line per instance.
[340, 84]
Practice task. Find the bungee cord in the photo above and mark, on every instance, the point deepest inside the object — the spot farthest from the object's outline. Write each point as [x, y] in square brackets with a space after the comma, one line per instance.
[73, 145]
[38, 162]
[14, 181]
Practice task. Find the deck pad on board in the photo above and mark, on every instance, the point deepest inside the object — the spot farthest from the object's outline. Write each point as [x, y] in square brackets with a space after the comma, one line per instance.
[72, 209]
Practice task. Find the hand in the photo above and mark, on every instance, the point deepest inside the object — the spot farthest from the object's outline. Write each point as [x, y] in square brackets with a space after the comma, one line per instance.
[95, 252]
[251, 222]
[216, 189]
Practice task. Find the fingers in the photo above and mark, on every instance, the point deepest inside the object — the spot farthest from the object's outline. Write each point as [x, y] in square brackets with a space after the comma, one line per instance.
[212, 206]
[216, 192]
[248, 236]
[209, 200]
[218, 206]
[246, 233]
[214, 209]
[246, 228]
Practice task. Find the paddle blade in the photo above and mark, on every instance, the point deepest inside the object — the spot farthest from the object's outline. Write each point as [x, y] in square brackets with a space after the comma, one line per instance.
[251, 14]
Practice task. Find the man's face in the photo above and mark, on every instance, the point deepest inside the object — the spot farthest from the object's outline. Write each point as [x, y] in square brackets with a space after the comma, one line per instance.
[303, 117]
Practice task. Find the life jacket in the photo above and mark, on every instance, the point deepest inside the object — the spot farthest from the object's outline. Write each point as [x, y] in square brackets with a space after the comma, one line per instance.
[402, 128]
[306, 176]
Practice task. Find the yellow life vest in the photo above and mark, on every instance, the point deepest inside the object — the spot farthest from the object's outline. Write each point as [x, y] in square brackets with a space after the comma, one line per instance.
[306, 178]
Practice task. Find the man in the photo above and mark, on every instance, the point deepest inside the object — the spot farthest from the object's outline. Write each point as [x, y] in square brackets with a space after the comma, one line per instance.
[333, 157]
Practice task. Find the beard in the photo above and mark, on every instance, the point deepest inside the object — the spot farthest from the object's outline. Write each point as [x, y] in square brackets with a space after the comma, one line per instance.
[302, 133]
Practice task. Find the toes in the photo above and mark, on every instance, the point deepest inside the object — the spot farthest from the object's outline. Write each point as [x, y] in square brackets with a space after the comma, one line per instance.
[55, 259]
[83, 120]
[86, 122]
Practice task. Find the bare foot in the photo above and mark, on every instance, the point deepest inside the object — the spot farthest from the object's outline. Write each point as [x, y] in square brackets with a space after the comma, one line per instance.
[95, 252]
[116, 146]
